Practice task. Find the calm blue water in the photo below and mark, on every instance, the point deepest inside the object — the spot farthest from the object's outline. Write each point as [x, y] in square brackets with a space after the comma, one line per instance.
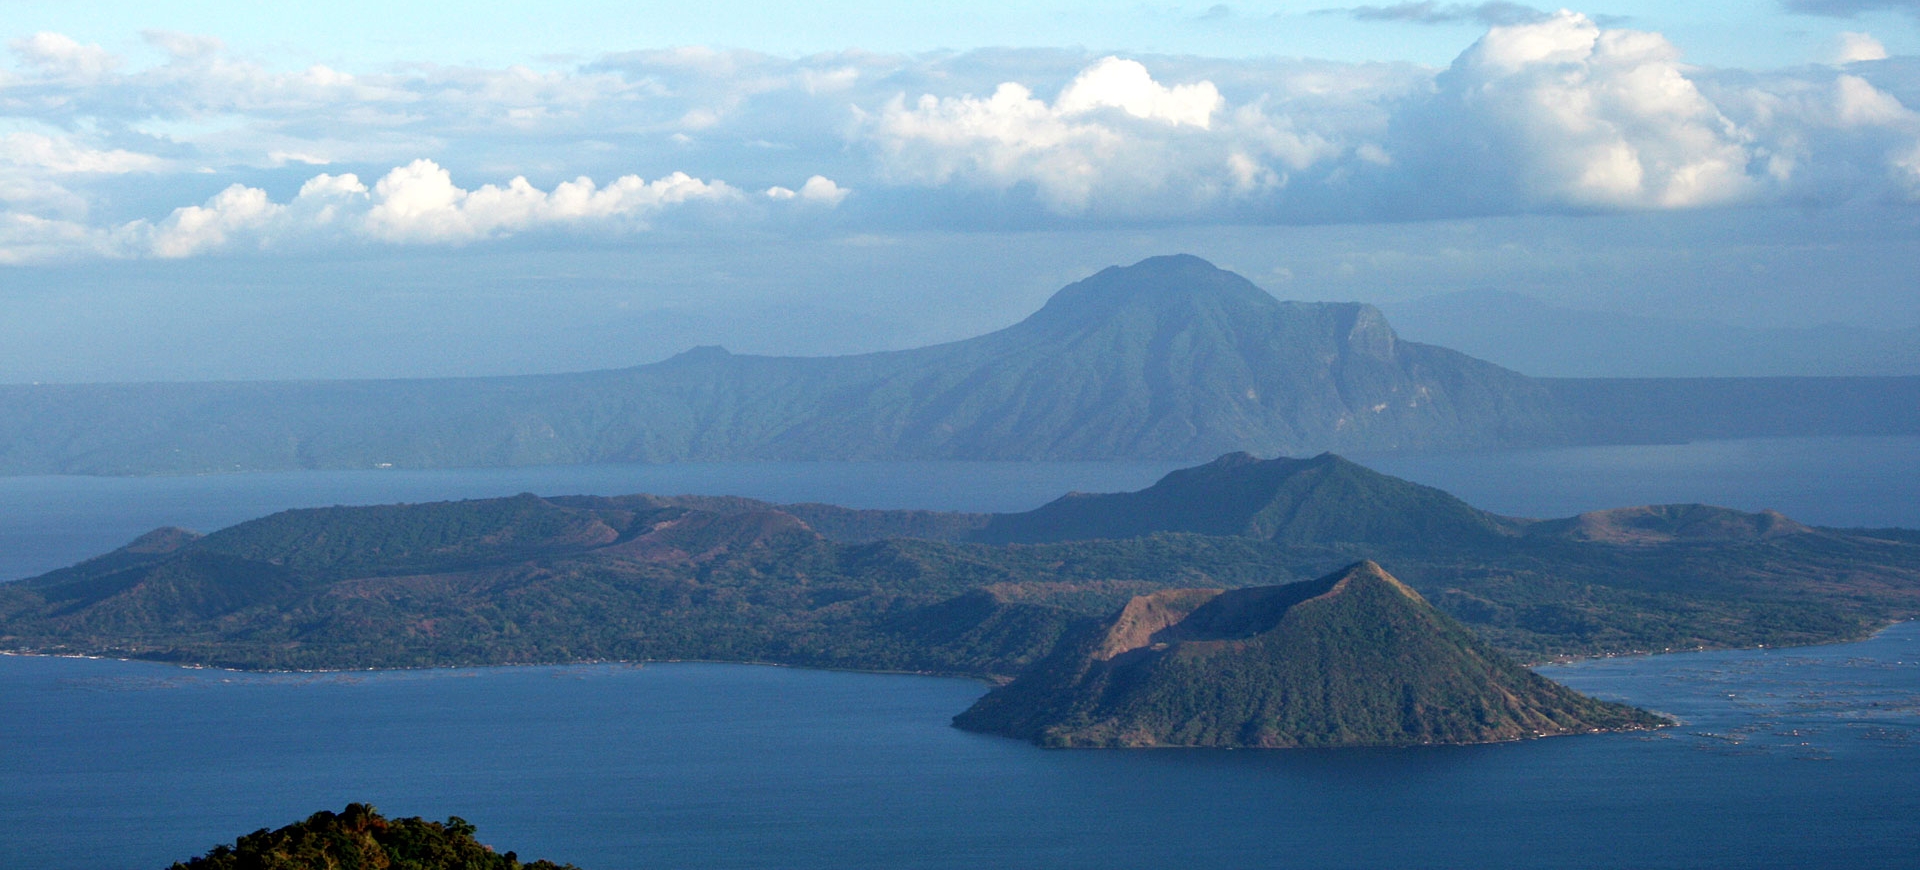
[1802, 758]
[50, 522]
[1796, 758]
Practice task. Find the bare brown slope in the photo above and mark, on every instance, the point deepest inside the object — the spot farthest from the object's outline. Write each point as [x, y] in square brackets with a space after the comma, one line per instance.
[1353, 658]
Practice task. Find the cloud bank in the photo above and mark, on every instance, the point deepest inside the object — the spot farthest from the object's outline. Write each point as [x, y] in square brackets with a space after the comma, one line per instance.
[413, 204]
[1544, 113]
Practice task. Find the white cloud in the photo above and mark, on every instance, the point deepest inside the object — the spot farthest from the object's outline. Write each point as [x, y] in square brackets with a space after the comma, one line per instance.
[60, 55]
[28, 238]
[1850, 47]
[63, 156]
[419, 202]
[1554, 114]
[1114, 139]
[1907, 169]
[817, 189]
[1126, 85]
[1828, 141]
[1595, 118]
[413, 204]
[194, 229]
[186, 46]
[1857, 103]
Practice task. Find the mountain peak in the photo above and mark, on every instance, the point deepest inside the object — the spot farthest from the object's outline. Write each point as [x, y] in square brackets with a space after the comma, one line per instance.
[1647, 525]
[1179, 279]
[1326, 499]
[1353, 658]
[161, 541]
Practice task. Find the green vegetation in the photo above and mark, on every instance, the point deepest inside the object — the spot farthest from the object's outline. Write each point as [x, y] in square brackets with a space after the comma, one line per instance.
[532, 580]
[664, 583]
[1353, 658]
[525, 579]
[358, 838]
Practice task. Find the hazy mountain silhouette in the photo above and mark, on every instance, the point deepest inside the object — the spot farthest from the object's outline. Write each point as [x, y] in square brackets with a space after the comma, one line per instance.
[1169, 358]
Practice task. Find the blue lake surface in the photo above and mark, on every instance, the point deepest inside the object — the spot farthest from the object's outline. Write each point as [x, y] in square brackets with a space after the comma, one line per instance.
[1802, 758]
[1789, 758]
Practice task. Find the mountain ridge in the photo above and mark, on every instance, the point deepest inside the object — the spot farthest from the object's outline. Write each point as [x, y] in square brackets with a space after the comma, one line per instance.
[526, 578]
[1167, 358]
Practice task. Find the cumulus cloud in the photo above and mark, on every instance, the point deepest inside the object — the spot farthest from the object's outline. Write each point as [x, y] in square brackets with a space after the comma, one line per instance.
[60, 55]
[420, 203]
[198, 228]
[1851, 47]
[817, 189]
[1543, 113]
[1588, 118]
[1826, 142]
[413, 204]
[1113, 137]
[1126, 85]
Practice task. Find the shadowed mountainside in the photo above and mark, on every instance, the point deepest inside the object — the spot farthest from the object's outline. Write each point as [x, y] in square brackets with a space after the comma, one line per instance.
[1169, 358]
[1353, 658]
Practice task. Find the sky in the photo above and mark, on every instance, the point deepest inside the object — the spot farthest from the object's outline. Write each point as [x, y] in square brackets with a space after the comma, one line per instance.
[224, 191]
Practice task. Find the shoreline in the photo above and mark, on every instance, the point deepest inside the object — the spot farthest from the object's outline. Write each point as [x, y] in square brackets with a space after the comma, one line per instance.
[988, 680]
[1559, 661]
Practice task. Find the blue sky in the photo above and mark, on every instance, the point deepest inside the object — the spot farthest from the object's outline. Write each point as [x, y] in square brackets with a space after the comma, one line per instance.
[221, 190]
[367, 35]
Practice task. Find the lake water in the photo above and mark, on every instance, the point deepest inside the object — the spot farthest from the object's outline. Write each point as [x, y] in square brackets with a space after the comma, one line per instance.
[1791, 758]
[1800, 758]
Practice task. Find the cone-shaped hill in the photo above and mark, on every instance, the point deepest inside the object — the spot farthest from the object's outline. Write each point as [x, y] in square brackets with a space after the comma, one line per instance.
[1355, 658]
[1325, 499]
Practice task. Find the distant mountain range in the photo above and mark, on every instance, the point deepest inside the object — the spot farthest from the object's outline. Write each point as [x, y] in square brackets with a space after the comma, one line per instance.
[1532, 336]
[1170, 358]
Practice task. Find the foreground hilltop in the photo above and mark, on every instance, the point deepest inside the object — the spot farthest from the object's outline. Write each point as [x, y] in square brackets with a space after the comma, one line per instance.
[1353, 658]
[359, 837]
